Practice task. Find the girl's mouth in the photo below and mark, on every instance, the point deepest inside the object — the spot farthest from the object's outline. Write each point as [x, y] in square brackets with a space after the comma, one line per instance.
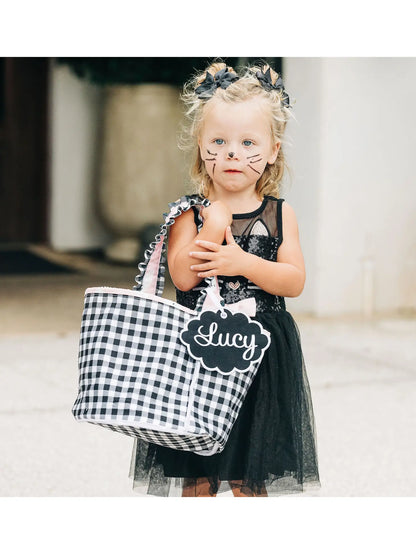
[232, 171]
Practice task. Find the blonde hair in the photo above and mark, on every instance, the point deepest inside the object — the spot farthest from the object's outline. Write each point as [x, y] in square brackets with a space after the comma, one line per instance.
[245, 88]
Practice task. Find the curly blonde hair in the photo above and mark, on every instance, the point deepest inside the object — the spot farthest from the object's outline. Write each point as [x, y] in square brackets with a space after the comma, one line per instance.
[245, 88]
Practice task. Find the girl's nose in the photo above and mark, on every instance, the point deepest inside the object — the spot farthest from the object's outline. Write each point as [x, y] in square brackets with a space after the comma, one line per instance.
[232, 155]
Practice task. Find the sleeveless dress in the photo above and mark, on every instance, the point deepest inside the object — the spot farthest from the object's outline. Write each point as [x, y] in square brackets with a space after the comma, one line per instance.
[272, 445]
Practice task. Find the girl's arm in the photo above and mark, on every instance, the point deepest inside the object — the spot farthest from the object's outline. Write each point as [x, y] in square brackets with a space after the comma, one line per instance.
[182, 237]
[285, 277]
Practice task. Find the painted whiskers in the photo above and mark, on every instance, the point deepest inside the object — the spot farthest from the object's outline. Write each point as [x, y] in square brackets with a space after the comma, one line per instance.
[252, 161]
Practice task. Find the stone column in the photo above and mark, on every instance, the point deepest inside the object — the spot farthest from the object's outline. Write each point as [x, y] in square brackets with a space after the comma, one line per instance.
[142, 168]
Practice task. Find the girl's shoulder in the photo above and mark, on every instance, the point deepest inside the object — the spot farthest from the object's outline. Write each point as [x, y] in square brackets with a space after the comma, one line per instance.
[273, 203]
[273, 198]
[285, 212]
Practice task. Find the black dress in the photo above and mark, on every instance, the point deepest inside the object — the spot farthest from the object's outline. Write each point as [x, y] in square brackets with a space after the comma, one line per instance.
[272, 445]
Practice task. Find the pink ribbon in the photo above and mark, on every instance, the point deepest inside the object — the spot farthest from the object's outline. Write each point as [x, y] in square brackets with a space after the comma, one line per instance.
[212, 302]
[246, 306]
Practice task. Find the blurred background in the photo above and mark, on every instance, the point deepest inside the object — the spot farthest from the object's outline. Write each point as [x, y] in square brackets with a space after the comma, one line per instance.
[88, 163]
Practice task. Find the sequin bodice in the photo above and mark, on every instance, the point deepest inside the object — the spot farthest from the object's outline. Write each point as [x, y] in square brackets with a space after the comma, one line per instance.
[260, 233]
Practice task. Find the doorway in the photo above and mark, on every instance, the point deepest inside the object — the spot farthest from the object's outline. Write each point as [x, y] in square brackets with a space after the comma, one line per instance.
[24, 151]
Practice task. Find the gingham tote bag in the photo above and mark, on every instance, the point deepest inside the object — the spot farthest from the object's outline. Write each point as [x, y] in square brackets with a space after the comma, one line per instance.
[135, 374]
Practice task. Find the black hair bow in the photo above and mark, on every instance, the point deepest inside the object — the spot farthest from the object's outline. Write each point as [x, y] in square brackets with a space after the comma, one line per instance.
[266, 82]
[223, 78]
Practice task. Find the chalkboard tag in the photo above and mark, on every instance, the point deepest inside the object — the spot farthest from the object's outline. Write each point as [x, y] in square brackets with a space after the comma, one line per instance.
[225, 341]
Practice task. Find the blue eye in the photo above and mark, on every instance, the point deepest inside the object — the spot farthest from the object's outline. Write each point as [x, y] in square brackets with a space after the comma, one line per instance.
[250, 141]
[216, 141]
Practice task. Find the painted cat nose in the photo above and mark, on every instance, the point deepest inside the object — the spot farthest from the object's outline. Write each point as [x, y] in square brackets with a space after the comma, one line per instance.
[230, 154]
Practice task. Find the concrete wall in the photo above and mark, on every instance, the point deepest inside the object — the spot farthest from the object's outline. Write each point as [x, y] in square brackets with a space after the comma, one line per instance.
[75, 126]
[354, 186]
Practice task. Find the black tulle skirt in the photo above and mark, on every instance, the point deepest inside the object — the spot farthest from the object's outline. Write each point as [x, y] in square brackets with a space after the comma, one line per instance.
[272, 447]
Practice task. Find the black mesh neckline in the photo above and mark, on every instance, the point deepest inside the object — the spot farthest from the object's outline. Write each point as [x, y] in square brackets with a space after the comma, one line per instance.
[253, 214]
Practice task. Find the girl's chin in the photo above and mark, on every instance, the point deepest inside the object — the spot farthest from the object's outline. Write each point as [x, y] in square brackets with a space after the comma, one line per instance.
[231, 178]
[233, 186]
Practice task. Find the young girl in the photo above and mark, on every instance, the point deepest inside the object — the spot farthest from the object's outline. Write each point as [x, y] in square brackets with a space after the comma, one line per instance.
[248, 237]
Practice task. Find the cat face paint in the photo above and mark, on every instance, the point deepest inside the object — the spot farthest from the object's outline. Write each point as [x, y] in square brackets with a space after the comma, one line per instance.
[212, 159]
[244, 129]
[253, 161]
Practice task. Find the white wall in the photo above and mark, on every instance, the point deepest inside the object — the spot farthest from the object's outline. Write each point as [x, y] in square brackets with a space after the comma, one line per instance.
[302, 79]
[75, 125]
[354, 189]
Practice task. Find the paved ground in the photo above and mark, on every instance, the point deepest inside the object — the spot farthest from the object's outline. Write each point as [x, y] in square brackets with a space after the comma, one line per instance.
[362, 376]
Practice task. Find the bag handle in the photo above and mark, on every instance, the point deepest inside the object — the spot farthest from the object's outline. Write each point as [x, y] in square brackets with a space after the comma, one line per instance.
[151, 278]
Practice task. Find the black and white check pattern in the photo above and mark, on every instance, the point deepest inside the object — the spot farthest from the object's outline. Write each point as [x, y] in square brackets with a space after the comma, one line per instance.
[137, 378]
[135, 375]
[202, 445]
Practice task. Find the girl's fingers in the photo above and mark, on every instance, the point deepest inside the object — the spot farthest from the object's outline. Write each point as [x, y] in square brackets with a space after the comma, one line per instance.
[202, 267]
[202, 255]
[212, 273]
[229, 236]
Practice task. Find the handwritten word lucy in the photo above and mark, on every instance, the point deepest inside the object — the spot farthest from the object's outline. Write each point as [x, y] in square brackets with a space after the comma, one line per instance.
[236, 340]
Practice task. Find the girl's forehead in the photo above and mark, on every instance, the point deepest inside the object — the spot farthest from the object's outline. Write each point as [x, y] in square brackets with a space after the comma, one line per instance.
[252, 106]
[252, 112]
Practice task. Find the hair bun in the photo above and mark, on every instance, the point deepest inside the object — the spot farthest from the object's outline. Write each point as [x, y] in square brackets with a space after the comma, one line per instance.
[265, 79]
[222, 78]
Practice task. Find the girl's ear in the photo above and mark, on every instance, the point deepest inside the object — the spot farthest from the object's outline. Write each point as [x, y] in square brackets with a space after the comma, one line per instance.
[274, 153]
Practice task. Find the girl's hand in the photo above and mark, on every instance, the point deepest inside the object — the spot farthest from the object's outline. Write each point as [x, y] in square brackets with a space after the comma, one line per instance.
[217, 213]
[227, 260]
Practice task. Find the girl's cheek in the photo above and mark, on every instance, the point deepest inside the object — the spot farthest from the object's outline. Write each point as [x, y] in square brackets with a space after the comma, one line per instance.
[262, 169]
[209, 168]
